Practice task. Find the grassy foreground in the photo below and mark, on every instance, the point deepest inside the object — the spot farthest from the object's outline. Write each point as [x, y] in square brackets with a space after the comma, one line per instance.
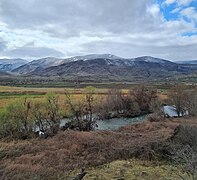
[58, 157]
[132, 170]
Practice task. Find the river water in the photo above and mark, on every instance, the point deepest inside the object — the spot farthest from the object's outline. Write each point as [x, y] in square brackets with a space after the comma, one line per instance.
[113, 124]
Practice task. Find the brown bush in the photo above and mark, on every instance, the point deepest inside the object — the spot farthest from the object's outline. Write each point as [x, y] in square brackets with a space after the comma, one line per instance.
[186, 135]
[155, 117]
[55, 156]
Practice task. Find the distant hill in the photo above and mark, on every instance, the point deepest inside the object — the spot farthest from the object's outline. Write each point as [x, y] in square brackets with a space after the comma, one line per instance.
[5, 74]
[7, 65]
[93, 56]
[38, 65]
[113, 67]
[187, 62]
[98, 67]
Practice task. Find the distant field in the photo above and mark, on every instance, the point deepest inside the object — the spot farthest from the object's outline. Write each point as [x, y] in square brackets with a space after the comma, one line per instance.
[8, 93]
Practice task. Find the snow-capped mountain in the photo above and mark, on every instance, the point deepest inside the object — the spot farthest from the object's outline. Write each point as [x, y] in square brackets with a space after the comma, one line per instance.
[151, 59]
[187, 62]
[105, 66]
[100, 67]
[93, 56]
[38, 64]
[50, 61]
[7, 65]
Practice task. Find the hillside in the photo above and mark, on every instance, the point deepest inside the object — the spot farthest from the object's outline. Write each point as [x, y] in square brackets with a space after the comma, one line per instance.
[7, 65]
[70, 150]
[97, 67]
[187, 62]
[115, 68]
[38, 65]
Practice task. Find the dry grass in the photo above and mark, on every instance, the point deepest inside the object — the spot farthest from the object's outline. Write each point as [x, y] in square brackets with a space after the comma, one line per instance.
[132, 170]
[52, 157]
[45, 90]
[7, 93]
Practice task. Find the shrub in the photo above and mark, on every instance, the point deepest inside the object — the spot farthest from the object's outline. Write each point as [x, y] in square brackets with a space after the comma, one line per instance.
[21, 118]
[15, 119]
[155, 117]
[185, 149]
[81, 111]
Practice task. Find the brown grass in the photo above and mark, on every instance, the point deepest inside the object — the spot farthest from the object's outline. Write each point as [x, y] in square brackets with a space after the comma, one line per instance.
[53, 157]
[13, 93]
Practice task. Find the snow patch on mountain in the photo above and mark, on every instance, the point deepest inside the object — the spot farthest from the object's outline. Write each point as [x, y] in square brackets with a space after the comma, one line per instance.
[93, 56]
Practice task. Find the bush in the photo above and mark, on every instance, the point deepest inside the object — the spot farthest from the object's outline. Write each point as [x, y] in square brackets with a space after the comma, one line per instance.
[186, 135]
[138, 101]
[81, 111]
[155, 117]
[15, 119]
[184, 149]
[20, 119]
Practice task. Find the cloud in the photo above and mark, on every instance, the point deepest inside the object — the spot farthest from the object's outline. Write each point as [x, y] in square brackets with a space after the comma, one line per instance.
[174, 49]
[37, 28]
[70, 16]
[190, 13]
[3, 45]
[30, 52]
[179, 2]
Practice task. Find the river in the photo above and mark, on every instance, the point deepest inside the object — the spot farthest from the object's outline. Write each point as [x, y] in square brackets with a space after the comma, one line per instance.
[113, 124]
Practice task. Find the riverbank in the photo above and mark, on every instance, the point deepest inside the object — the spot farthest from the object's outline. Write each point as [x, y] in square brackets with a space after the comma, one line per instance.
[55, 157]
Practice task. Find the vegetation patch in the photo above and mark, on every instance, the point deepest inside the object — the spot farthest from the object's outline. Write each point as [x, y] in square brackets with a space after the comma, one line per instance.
[132, 170]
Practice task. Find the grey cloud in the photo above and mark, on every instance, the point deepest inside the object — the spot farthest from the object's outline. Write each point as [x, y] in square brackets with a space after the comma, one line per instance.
[3, 45]
[74, 16]
[131, 50]
[33, 52]
[76, 26]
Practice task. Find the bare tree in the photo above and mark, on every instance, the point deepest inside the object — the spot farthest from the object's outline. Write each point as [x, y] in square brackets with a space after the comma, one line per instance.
[178, 98]
[120, 104]
[39, 115]
[52, 106]
[144, 96]
[81, 111]
[76, 108]
[191, 102]
[90, 91]
[115, 100]
[25, 115]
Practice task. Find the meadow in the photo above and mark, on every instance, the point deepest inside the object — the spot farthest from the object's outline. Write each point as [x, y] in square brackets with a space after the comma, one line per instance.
[9, 93]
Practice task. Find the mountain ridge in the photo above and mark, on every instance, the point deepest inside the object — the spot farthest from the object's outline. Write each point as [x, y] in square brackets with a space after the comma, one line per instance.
[7, 65]
[100, 68]
[187, 62]
[104, 66]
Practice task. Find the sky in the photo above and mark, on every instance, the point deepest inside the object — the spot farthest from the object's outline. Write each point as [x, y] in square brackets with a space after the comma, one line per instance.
[32, 29]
